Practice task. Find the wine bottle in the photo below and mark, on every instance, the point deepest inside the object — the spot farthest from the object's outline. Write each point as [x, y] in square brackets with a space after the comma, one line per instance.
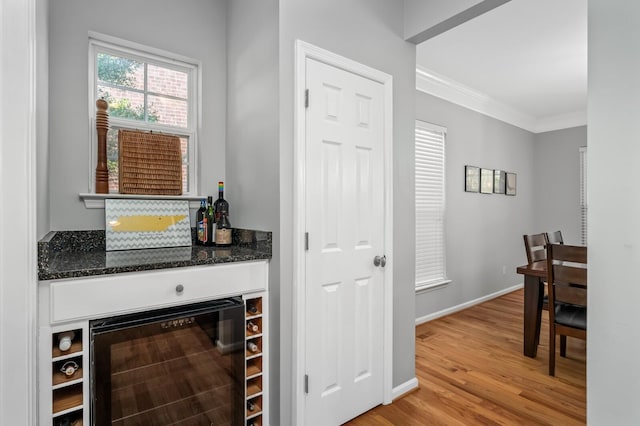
[221, 205]
[252, 347]
[210, 215]
[252, 327]
[201, 225]
[251, 406]
[252, 309]
[223, 231]
[65, 340]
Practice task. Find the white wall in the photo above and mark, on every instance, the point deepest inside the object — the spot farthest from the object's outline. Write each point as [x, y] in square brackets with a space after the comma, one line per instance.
[483, 233]
[370, 32]
[613, 377]
[557, 182]
[193, 28]
[253, 154]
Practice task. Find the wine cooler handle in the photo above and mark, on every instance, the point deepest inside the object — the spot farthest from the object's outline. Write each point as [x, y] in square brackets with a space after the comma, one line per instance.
[179, 289]
[380, 261]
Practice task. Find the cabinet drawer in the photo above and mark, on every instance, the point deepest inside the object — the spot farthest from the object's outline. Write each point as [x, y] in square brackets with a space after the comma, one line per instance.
[123, 293]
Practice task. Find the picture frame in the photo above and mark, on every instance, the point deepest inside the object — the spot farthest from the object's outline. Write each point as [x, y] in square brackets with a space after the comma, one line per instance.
[486, 181]
[510, 183]
[472, 179]
[499, 181]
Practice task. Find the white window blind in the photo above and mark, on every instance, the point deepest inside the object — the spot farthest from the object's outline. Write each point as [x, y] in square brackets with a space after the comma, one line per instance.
[430, 204]
[583, 195]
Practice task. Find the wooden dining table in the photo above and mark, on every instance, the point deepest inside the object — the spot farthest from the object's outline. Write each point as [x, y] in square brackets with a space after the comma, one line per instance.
[535, 274]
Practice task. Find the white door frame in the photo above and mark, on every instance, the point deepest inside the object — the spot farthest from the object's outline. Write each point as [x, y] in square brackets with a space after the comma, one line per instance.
[304, 51]
[18, 246]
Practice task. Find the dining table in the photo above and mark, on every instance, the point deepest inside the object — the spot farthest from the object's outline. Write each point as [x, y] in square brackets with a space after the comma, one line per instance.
[535, 274]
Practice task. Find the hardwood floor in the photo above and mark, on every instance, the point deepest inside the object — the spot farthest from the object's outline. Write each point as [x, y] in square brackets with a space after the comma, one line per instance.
[472, 372]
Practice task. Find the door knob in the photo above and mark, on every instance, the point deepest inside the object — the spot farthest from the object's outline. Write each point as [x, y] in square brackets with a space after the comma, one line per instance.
[380, 261]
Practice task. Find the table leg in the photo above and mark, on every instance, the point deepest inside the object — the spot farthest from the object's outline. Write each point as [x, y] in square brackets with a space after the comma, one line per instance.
[533, 292]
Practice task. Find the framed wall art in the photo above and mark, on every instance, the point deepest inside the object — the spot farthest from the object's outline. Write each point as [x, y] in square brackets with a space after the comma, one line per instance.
[486, 181]
[510, 187]
[499, 181]
[472, 178]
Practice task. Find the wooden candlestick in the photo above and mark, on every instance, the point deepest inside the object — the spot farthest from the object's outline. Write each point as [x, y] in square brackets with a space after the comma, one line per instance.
[102, 126]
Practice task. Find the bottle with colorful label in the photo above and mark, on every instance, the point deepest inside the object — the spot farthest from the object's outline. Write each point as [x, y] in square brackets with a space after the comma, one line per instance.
[201, 224]
[221, 205]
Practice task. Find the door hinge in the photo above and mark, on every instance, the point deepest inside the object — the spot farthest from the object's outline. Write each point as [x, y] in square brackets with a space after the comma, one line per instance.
[306, 383]
[306, 98]
[306, 241]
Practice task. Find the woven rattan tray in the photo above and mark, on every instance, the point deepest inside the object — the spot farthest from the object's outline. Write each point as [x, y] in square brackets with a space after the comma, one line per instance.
[149, 163]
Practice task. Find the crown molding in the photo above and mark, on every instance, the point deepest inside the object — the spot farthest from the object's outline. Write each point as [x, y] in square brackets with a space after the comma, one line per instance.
[443, 87]
[561, 121]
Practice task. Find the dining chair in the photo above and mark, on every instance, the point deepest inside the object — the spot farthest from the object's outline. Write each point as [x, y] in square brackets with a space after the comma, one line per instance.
[567, 287]
[555, 238]
[534, 247]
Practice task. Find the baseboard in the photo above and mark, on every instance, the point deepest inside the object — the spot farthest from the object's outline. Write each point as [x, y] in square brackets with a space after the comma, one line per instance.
[404, 388]
[453, 309]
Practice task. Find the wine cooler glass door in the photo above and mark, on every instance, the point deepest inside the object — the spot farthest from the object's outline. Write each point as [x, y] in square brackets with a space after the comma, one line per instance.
[170, 367]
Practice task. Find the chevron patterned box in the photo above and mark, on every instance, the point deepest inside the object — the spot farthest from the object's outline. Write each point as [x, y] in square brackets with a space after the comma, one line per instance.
[140, 224]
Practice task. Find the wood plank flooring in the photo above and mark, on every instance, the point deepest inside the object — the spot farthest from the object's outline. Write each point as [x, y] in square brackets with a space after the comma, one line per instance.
[472, 372]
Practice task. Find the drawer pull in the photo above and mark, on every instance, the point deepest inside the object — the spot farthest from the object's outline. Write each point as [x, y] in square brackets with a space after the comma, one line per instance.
[179, 289]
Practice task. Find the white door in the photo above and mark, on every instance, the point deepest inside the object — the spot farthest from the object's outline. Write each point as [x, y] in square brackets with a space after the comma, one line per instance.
[345, 221]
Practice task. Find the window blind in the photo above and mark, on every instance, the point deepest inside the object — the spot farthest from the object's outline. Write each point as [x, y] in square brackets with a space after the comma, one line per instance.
[583, 195]
[430, 203]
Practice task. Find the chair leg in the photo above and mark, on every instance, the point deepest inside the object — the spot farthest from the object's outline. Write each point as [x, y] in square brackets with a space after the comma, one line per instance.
[552, 349]
[563, 346]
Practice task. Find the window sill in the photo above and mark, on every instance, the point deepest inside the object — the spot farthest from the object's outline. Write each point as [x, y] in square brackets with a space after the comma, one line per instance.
[96, 201]
[431, 286]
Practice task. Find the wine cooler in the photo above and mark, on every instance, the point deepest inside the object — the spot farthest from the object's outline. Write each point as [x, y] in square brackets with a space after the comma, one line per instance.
[176, 366]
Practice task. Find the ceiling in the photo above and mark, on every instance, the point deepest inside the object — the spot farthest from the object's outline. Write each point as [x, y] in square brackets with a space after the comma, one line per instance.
[524, 61]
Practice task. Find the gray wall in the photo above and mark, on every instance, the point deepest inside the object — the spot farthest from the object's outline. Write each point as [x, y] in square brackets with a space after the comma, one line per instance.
[370, 32]
[483, 233]
[253, 154]
[557, 182]
[614, 208]
[193, 28]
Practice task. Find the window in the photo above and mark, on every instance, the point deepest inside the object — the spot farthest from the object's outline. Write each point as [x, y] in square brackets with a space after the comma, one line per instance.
[583, 195]
[430, 205]
[148, 90]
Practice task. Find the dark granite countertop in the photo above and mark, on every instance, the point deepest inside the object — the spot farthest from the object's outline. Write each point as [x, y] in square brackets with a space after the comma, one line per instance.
[68, 254]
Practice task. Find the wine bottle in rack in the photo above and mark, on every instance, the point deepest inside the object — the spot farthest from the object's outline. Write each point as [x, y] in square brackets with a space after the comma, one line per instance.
[252, 347]
[252, 308]
[252, 327]
[65, 340]
[251, 406]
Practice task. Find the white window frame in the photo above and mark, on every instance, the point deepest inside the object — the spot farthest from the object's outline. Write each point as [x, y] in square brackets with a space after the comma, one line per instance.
[100, 43]
[427, 137]
[583, 195]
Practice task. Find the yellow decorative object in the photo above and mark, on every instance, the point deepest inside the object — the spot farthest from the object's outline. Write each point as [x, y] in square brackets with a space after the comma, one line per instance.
[144, 223]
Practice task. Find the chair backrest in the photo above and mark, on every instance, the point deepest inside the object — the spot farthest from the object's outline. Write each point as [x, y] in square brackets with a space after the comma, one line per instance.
[567, 274]
[534, 246]
[555, 238]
